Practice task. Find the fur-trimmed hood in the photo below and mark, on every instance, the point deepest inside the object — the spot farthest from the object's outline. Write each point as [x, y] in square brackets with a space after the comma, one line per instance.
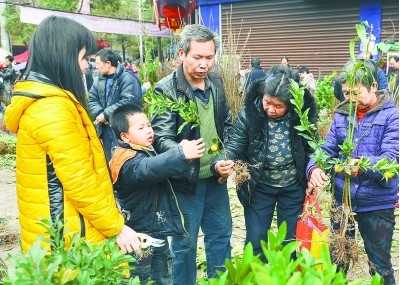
[249, 138]
[256, 114]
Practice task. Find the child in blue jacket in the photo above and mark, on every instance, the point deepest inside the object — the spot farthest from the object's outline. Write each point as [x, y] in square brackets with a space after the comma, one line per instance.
[376, 136]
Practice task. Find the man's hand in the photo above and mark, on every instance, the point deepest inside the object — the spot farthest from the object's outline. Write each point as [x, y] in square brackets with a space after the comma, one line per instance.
[100, 119]
[224, 167]
[128, 240]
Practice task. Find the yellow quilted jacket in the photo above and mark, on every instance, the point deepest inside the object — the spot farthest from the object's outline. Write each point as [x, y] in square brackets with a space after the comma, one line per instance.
[61, 167]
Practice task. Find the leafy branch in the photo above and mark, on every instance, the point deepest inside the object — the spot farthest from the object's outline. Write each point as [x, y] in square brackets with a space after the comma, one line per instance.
[324, 92]
[308, 130]
[388, 168]
[74, 262]
[187, 110]
[159, 104]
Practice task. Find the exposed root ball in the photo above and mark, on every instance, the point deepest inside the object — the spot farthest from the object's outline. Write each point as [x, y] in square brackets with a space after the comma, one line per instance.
[344, 250]
[242, 172]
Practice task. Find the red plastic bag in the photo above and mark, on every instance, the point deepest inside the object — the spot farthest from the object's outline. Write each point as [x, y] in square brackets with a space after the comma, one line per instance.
[310, 231]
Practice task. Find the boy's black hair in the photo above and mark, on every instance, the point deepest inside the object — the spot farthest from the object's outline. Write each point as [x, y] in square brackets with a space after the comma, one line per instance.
[119, 119]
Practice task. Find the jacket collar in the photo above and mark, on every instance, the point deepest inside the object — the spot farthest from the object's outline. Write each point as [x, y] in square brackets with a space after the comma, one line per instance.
[26, 92]
[118, 72]
[38, 77]
[184, 88]
[123, 144]
[256, 114]
[121, 154]
[182, 85]
[383, 98]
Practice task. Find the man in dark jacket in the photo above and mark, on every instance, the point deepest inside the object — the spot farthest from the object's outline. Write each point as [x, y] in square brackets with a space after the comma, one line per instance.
[8, 75]
[256, 73]
[393, 78]
[203, 201]
[114, 87]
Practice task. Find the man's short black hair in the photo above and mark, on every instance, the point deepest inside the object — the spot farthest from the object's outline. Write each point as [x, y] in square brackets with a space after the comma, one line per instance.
[109, 55]
[255, 62]
[302, 69]
[10, 58]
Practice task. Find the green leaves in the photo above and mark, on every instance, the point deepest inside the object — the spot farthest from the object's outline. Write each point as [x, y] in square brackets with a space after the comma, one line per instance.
[7, 150]
[347, 147]
[324, 92]
[159, 104]
[308, 130]
[17, 29]
[7, 144]
[64, 5]
[78, 263]
[388, 168]
[361, 35]
[238, 271]
[281, 268]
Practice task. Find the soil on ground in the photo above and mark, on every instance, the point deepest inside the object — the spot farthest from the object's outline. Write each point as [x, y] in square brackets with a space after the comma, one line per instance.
[9, 229]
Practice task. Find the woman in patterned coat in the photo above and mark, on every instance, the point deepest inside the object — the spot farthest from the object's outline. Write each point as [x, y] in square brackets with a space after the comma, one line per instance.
[264, 135]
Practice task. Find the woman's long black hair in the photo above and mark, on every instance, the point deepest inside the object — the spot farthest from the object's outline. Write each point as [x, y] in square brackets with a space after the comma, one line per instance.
[54, 50]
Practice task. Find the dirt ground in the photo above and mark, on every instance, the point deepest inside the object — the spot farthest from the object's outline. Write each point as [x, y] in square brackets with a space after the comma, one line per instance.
[9, 230]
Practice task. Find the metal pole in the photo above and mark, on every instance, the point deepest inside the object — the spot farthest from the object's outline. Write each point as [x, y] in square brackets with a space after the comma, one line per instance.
[141, 32]
[5, 42]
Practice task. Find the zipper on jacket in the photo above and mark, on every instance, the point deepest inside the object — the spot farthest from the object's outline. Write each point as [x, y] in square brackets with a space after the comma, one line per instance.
[28, 94]
[176, 200]
[83, 228]
[179, 209]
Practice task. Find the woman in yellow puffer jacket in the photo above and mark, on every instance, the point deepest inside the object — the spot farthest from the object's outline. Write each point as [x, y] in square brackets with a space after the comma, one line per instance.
[61, 167]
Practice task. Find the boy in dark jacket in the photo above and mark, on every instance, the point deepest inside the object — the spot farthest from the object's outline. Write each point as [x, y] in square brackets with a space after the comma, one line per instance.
[143, 191]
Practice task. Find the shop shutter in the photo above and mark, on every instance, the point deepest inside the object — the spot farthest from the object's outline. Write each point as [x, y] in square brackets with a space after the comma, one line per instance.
[310, 32]
[390, 20]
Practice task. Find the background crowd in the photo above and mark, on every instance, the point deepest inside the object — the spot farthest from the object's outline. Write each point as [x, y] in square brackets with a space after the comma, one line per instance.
[75, 123]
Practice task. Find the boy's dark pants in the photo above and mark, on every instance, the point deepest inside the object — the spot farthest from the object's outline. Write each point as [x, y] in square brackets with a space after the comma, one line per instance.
[155, 266]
